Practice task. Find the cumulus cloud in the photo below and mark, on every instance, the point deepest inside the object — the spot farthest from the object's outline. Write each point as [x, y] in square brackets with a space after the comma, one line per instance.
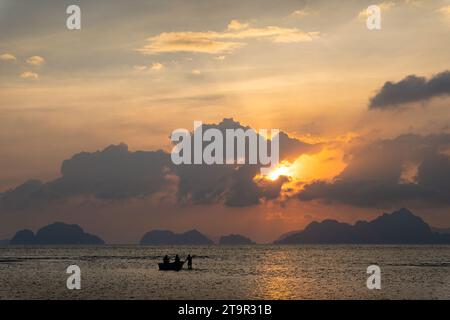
[374, 174]
[36, 61]
[234, 185]
[240, 189]
[110, 174]
[156, 66]
[411, 89]
[29, 75]
[116, 173]
[237, 25]
[291, 148]
[232, 38]
[7, 57]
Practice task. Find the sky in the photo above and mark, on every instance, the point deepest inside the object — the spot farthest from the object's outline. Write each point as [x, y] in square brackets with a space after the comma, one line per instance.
[364, 113]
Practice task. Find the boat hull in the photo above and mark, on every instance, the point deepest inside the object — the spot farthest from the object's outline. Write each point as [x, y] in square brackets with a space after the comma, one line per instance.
[172, 266]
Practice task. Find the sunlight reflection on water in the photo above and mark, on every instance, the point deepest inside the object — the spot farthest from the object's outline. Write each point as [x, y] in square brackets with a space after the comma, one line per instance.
[223, 272]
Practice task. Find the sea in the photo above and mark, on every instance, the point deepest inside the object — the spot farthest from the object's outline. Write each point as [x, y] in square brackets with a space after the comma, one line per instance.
[227, 272]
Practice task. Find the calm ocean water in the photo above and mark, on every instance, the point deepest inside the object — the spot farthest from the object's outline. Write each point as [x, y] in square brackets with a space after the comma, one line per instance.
[237, 272]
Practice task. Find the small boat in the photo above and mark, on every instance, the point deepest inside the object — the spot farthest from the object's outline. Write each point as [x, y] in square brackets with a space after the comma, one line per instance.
[171, 266]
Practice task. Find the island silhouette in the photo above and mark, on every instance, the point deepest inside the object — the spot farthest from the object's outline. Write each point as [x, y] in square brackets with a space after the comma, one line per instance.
[58, 233]
[166, 237]
[398, 227]
[235, 239]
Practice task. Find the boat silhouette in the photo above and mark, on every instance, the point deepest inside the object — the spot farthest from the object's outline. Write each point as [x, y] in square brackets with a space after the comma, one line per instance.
[171, 266]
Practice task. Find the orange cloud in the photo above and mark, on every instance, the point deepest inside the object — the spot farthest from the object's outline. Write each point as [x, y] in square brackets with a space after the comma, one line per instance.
[157, 66]
[36, 61]
[222, 42]
[7, 57]
[29, 75]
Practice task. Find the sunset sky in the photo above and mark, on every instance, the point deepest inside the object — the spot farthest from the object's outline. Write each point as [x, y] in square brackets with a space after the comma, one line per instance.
[367, 113]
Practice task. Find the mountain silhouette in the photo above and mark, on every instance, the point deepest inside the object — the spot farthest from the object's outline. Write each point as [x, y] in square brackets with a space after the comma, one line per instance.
[166, 237]
[398, 227]
[234, 239]
[58, 233]
[287, 234]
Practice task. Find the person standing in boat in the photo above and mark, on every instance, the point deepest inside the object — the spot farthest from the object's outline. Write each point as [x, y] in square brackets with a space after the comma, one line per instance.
[166, 259]
[177, 259]
[189, 261]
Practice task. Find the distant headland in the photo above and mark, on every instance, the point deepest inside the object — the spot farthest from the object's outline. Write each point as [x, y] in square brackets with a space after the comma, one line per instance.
[58, 233]
[398, 227]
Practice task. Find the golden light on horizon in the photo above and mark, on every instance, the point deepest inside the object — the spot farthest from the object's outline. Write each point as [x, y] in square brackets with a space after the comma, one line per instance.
[324, 165]
[283, 169]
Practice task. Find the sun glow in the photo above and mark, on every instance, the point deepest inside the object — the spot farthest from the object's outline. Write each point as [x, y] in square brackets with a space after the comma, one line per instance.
[323, 166]
[284, 169]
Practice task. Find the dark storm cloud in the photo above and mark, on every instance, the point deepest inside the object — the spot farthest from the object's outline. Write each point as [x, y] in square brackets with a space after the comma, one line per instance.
[434, 172]
[368, 193]
[374, 174]
[291, 148]
[233, 184]
[243, 190]
[411, 89]
[115, 173]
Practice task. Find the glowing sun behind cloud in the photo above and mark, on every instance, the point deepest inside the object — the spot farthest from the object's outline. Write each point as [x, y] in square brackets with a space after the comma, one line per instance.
[284, 169]
[324, 165]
